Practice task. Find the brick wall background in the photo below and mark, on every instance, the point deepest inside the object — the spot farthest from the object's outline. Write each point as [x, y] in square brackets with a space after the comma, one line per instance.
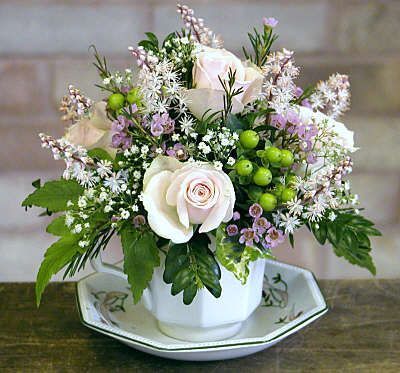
[44, 46]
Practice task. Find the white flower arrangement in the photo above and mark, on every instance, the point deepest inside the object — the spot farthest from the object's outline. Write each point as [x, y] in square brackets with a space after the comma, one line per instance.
[198, 144]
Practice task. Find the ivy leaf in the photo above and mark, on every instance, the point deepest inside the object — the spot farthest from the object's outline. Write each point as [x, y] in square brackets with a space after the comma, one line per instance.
[57, 227]
[57, 256]
[140, 258]
[235, 257]
[54, 195]
[100, 154]
[190, 267]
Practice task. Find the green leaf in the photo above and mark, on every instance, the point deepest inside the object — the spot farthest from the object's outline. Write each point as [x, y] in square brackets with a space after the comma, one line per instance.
[291, 240]
[36, 183]
[140, 258]
[100, 154]
[254, 192]
[152, 37]
[235, 257]
[234, 123]
[54, 195]
[348, 234]
[57, 227]
[321, 232]
[57, 256]
[192, 266]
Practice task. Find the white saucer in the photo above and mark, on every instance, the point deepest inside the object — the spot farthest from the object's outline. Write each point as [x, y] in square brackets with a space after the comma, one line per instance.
[291, 300]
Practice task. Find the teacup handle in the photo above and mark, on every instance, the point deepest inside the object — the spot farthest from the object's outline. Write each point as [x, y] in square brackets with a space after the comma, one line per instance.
[99, 266]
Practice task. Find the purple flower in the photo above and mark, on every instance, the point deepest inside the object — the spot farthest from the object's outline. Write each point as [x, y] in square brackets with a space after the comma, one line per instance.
[292, 117]
[311, 158]
[306, 103]
[248, 237]
[134, 108]
[278, 121]
[236, 216]
[178, 151]
[156, 129]
[273, 238]
[119, 124]
[307, 132]
[161, 124]
[139, 220]
[306, 145]
[260, 225]
[116, 140]
[232, 230]
[270, 22]
[255, 210]
[298, 92]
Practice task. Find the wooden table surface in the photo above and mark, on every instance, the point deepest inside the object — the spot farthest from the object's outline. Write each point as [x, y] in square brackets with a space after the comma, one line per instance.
[361, 332]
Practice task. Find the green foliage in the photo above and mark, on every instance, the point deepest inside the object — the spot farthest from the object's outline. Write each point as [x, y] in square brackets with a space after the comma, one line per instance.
[57, 227]
[261, 44]
[140, 258]
[234, 123]
[100, 154]
[56, 257]
[348, 234]
[230, 92]
[234, 256]
[190, 267]
[151, 43]
[54, 195]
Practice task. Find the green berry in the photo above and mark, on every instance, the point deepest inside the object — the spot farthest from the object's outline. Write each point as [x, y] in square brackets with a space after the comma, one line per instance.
[287, 195]
[262, 177]
[268, 201]
[291, 180]
[286, 158]
[116, 101]
[273, 154]
[133, 96]
[278, 190]
[244, 167]
[249, 139]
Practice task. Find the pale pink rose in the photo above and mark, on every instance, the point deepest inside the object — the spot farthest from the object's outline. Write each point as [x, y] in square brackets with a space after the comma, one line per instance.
[208, 92]
[93, 132]
[179, 195]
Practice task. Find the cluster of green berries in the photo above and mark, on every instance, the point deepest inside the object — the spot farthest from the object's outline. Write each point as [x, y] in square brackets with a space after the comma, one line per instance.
[117, 101]
[263, 176]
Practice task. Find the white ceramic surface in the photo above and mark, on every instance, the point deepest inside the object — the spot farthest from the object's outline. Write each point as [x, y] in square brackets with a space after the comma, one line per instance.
[291, 300]
[207, 318]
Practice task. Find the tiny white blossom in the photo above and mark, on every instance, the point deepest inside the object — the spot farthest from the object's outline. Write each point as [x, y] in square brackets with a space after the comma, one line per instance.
[332, 216]
[108, 208]
[175, 137]
[82, 203]
[125, 214]
[69, 220]
[83, 243]
[77, 228]
[144, 149]
[103, 196]
[231, 161]
[218, 165]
